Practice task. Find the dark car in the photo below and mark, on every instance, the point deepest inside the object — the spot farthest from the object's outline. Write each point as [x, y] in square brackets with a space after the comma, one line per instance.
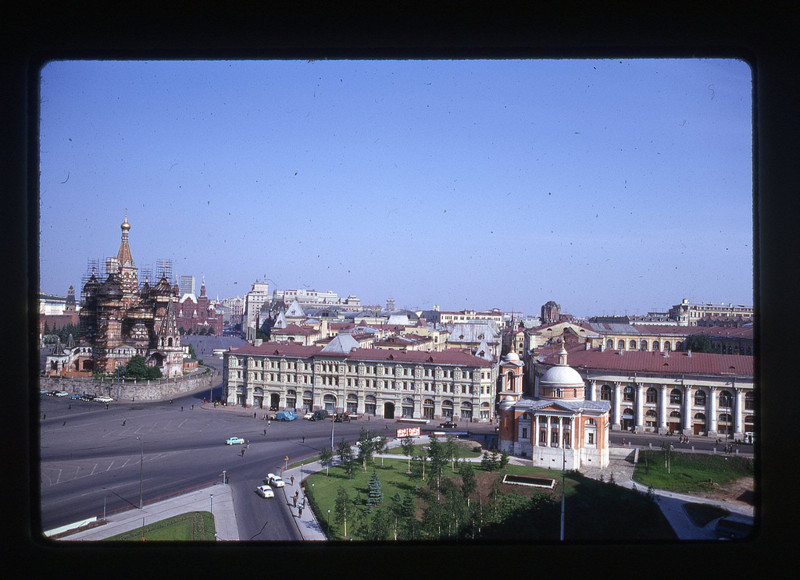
[448, 425]
[319, 415]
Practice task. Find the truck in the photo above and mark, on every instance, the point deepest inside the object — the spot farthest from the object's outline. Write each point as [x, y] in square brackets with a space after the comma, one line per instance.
[285, 416]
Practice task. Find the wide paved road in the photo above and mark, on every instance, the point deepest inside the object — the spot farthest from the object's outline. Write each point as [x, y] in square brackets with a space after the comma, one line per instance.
[93, 458]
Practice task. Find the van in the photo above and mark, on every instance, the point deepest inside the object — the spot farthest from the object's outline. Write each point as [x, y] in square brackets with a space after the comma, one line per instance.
[319, 415]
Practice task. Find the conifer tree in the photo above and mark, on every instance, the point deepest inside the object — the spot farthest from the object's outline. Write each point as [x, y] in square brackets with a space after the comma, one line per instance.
[374, 491]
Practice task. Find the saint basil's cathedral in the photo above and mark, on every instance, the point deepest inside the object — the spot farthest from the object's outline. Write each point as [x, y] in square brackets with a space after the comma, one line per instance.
[119, 320]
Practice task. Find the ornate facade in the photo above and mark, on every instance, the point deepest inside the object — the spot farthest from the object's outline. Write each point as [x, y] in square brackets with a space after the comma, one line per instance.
[666, 392]
[557, 426]
[119, 320]
[344, 377]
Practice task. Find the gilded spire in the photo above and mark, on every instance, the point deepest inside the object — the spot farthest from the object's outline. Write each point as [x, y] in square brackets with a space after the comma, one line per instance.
[124, 256]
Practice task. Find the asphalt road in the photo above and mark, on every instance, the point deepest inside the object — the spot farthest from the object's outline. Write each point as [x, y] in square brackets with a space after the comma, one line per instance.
[94, 459]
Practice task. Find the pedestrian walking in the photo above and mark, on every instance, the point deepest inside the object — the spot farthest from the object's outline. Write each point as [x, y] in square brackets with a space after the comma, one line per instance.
[300, 512]
[304, 438]
[294, 501]
[265, 431]
[254, 415]
[181, 408]
[242, 451]
[293, 480]
[124, 421]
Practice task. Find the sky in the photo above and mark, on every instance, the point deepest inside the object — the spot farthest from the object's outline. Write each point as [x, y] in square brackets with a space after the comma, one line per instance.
[608, 186]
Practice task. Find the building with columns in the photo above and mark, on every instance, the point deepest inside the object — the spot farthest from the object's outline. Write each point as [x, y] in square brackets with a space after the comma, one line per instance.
[665, 392]
[341, 376]
[556, 426]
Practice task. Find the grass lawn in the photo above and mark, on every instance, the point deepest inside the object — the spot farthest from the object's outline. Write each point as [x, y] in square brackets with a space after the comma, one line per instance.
[595, 511]
[466, 449]
[188, 527]
[690, 472]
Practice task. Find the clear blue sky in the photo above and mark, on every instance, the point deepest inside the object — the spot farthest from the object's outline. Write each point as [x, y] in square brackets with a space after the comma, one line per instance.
[608, 186]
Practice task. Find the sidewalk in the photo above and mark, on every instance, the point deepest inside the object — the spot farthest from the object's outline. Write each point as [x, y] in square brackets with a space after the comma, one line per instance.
[221, 506]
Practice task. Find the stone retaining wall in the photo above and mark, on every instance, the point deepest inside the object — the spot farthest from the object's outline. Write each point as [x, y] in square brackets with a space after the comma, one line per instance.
[153, 390]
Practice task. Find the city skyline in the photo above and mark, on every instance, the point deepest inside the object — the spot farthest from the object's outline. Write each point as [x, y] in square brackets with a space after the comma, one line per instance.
[608, 186]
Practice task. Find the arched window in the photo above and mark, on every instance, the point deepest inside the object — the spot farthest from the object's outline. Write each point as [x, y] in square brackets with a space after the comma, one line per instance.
[632, 345]
[700, 398]
[725, 399]
[667, 346]
[605, 393]
[675, 397]
[652, 395]
[643, 345]
[628, 394]
[610, 343]
[749, 400]
[621, 345]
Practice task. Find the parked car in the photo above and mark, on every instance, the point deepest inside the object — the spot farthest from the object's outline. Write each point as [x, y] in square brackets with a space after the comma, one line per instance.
[285, 416]
[60, 393]
[448, 425]
[319, 415]
[235, 441]
[341, 418]
[103, 399]
[308, 416]
[265, 491]
[45, 392]
[275, 480]
[76, 396]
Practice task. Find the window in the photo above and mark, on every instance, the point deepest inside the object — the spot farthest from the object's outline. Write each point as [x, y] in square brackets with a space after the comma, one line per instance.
[725, 399]
[628, 394]
[652, 395]
[605, 393]
[749, 401]
[675, 397]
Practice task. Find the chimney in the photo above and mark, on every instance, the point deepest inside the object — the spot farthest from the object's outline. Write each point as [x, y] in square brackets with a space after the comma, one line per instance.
[689, 352]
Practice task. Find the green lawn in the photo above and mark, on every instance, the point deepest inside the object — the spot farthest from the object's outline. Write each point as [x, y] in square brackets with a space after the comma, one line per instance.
[689, 472]
[595, 510]
[188, 527]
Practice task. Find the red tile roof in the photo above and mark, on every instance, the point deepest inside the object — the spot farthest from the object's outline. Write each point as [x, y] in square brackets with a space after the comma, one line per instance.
[446, 357]
[652, 362]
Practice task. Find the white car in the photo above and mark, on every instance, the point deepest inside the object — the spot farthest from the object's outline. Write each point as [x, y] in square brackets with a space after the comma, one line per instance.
[103, 399]
[308, 416]
[61, 393]
[265, 491]
[235, 441]
[275, 480]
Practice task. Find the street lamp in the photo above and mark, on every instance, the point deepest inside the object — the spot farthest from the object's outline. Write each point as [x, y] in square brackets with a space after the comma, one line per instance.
[563, 488]
[141, 462]
[212, 505]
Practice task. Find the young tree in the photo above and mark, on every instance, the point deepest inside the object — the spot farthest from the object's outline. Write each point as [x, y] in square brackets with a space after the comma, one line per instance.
[469, 483]
[326, 458]
[451, 451]
[342, 508]
[438, 460]
[346, 457]
[375, 494]
[378, 526]
[407, 445]
[365, 447]
[503, 460]
[379, 445]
